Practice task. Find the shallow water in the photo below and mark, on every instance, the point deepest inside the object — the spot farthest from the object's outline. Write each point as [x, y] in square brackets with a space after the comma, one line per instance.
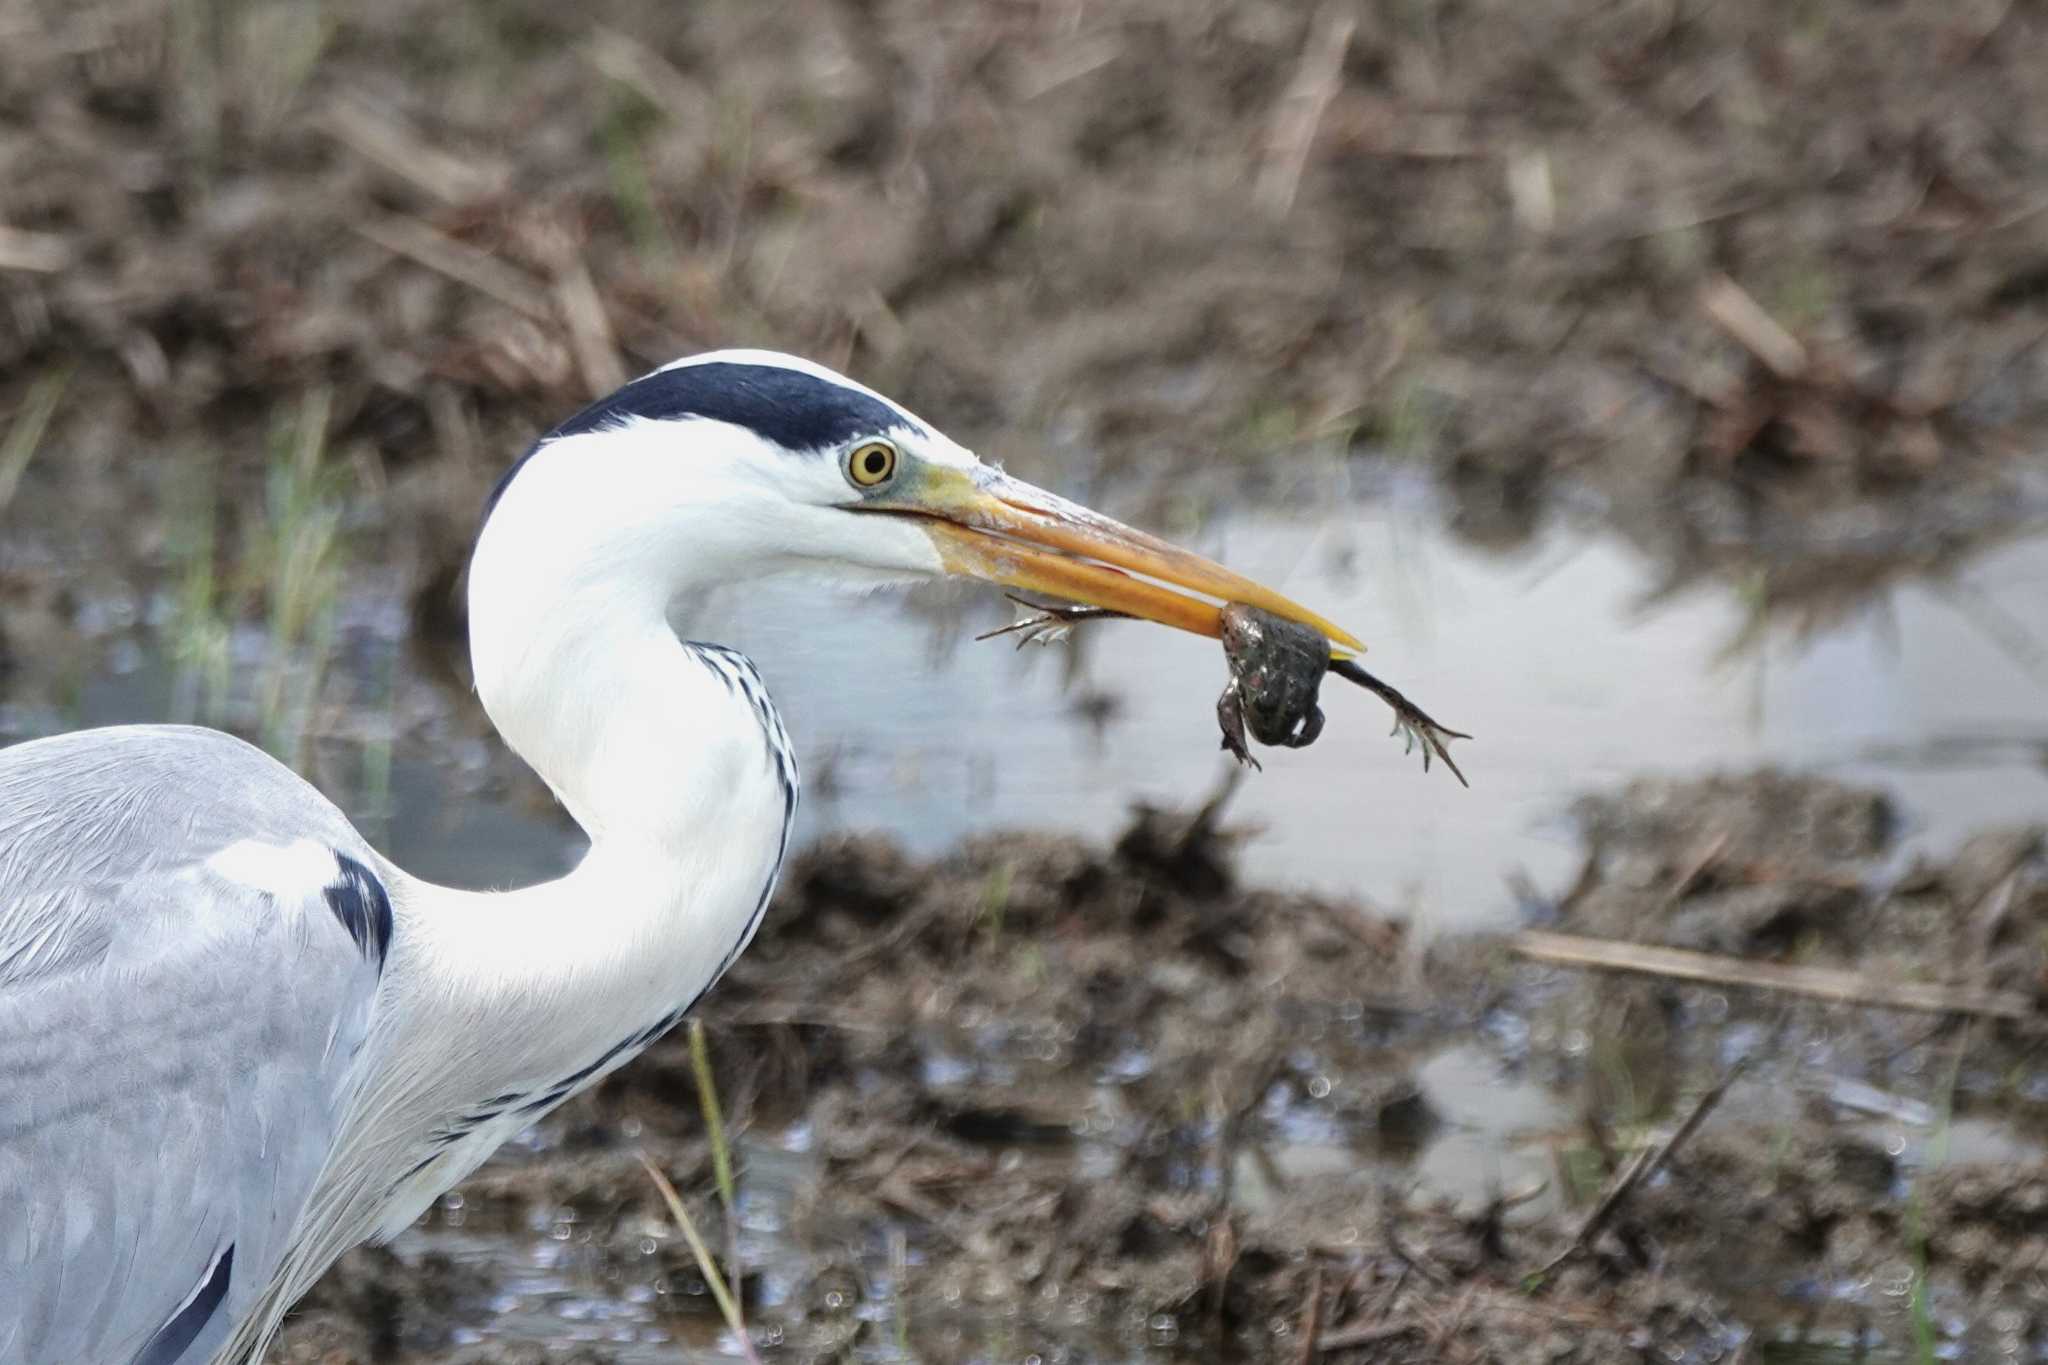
[1548, 655]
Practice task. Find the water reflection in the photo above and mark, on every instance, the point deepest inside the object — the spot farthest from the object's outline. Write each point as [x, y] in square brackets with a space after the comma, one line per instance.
[1499, 1123]
[1547, 655]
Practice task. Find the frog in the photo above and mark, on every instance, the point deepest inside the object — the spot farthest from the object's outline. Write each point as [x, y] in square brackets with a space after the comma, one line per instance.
[1276, 674]
[1276, 677]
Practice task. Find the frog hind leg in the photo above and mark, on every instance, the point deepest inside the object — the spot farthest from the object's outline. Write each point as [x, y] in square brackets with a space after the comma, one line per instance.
[1230, 719]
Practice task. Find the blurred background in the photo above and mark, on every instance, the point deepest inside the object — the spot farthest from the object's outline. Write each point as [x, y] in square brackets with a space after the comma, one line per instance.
[1660, 387]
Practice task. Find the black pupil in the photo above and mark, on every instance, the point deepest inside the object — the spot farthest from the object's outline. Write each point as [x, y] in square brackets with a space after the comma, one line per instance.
[875, 463]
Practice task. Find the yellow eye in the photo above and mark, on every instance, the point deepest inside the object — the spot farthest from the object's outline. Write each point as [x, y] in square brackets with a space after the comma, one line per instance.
[871, 464]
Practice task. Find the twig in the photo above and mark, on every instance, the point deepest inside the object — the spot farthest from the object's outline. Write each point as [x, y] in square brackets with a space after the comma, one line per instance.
[1731, 308]
[1075, 61]
[590, 327]
[1411, 1260]
[1532, 191]
[1988, 916]
[894, 1193]
[1629, 1178]
[1647, 1163]
[899, 1276]
[1681, 222]
[377, 137]
[1441, 1332]
[1300, 109]
[1311, 1319]
[1368, 1333]
[1219, 1259]
[576, 299]
[459, 261]
[1820, 983]
[1709, 854]
[632, 63]
[1698, 1116]
[1590, 872]
[772, 1013]
[37, 253]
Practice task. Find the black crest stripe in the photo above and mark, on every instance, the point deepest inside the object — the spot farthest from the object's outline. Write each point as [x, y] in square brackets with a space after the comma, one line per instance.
[792, 408]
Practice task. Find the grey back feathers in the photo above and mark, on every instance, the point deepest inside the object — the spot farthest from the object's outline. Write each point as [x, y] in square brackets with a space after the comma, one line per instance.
[190, 946]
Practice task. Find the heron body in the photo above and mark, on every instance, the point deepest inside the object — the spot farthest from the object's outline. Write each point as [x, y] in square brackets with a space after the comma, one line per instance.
[236, 1041]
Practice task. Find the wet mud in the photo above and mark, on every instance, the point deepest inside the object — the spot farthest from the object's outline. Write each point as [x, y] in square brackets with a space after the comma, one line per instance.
[1103, 1102]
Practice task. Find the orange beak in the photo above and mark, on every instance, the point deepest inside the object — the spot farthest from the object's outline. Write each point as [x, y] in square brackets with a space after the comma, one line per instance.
[989, 526]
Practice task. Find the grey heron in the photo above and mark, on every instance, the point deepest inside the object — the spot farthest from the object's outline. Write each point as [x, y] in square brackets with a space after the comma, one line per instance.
[236, 1041]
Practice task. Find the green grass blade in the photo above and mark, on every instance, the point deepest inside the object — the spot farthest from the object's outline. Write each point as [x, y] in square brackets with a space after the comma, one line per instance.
[721, 1153]
[706, 1266]
[714, 1117]
[25, 435]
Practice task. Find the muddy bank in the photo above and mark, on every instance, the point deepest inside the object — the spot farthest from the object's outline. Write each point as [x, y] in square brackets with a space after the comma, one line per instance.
[1087, 1103]
[1790, 868]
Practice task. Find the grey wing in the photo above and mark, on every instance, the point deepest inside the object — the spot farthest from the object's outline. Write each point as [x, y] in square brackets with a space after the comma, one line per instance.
[190, 943]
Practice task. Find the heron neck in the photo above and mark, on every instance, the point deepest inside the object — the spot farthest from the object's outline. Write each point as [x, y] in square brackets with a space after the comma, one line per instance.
[655, 748]
[596, 693]
[665, 761]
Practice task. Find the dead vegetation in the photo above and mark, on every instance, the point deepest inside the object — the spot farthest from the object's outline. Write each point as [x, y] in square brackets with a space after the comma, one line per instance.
[1769, 265]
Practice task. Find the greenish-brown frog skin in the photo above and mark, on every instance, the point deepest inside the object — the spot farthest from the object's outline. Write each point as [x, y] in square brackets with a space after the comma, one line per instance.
[1276, 675]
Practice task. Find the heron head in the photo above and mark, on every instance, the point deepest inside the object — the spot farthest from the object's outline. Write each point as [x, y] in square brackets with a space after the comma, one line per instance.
[742, 462]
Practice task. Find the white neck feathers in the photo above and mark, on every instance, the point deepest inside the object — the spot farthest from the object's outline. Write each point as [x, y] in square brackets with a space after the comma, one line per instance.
[679, 774]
